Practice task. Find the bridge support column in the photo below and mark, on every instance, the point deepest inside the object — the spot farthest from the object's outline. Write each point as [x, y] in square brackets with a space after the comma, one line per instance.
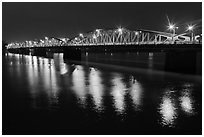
[38, 52]
[24, 51]
[72, 54]
[13, 51]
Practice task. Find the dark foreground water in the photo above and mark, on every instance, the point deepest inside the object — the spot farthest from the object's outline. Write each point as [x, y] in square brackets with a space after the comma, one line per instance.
[118, 94]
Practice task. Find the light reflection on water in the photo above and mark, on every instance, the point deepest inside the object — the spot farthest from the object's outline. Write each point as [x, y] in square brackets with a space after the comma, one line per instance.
[96, 88]
[186, 99]
[150, 59]
[32, 80]
[118, 92]
[44, 76]
[168, 109]
[79, 85]
[59, 63]
[172, 103]
[136, 92]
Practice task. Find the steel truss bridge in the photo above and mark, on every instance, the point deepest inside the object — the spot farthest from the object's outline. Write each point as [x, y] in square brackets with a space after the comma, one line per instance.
[120, 36]
[126, 37]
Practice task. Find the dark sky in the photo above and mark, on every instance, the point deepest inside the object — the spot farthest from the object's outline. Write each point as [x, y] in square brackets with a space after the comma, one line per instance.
[28, 21]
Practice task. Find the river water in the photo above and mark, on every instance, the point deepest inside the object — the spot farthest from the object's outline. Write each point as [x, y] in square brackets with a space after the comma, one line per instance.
[109, 93]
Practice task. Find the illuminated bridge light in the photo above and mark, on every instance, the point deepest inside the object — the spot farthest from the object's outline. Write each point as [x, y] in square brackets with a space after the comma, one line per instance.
[94, 36]
[190, 27]
[81, 35]
[171, 26]
[136, 33]
[98, 30]
[120, 30]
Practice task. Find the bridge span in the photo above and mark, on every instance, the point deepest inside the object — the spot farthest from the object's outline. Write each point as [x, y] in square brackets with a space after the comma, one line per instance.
[108, 40]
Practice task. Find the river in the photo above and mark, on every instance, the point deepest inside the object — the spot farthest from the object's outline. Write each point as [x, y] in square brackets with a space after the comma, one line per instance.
[109, 93]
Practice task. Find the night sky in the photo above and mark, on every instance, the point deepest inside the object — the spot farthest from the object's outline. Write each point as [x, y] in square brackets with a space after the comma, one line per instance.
[29, 21]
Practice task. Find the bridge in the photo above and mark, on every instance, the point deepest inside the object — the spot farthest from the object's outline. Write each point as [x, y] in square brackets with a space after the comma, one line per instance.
[120, 36]
[105, 40]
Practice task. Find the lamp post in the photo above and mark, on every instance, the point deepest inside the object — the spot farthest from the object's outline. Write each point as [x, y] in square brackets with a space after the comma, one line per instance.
[172, 28]
[190, 29]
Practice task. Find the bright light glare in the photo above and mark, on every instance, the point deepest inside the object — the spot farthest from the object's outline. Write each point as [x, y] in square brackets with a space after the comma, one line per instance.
[97, 30]
[171, 26]
[190, 27]
[94, 37]
[81, 35]
[136, 33]
[120, 30]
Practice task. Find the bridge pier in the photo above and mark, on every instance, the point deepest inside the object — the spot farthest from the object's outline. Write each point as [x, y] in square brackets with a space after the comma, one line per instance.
[24, 51]
[42, 52]
[72, 54]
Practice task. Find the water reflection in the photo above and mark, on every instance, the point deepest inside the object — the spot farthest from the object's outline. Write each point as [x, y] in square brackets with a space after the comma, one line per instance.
[59, 63]
[32, 81]
[186, 100]
[150, 60]
[96, 88]
[167, 109]
[42, 79]
[174, 101]
[118, 92]
[136, 93]
[79, 85]
[52, 84]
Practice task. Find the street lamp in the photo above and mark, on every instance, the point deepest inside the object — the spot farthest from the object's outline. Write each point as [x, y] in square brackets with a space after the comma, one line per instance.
[120, 30]
[173, 28]
[190, 29]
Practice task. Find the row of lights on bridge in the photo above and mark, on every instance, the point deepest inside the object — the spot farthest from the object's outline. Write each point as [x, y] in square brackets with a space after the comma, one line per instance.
[120, 30]
[170, 27]
[190, 28]
[27, 43]
[173, 27]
